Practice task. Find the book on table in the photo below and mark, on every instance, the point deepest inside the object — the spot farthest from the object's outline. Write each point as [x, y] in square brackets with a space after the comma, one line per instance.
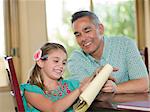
[89, 94]
[135, 105]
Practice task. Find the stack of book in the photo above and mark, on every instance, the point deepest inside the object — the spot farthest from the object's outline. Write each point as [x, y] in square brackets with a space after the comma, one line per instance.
[135, 105]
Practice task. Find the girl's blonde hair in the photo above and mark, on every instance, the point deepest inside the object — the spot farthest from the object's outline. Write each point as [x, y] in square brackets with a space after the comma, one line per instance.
[35, 73]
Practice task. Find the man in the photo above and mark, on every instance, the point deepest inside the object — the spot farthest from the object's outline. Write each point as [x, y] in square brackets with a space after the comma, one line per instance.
[98, 50]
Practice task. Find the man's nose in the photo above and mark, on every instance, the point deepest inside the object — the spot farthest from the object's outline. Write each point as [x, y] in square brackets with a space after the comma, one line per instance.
[84, 36]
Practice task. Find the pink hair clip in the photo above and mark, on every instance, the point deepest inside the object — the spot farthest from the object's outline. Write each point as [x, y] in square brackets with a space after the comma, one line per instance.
[37, 55]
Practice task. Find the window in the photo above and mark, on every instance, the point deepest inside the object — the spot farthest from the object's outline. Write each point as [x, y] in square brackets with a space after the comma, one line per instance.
[58, 20]
[2, 39]
[117, 16]
[3, 75]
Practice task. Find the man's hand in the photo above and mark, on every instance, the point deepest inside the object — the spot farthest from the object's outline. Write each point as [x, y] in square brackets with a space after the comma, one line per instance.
[109, 87]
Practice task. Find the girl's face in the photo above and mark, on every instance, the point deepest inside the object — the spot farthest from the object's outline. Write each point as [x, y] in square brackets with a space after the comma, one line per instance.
[54, 67]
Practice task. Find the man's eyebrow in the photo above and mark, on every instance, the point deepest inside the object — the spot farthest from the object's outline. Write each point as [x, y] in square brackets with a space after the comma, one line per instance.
[88, 27]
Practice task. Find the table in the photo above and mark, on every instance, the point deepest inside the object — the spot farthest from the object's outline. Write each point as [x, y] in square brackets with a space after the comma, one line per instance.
[107, 102]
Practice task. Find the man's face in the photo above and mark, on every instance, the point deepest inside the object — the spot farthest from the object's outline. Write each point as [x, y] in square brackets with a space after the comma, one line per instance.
[87, 34]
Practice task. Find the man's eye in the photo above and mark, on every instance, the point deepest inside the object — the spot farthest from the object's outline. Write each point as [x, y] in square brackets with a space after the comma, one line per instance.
[77, 35]
[87, 30]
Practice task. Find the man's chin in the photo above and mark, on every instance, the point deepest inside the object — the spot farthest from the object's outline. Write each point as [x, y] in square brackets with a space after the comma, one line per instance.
[88, 51]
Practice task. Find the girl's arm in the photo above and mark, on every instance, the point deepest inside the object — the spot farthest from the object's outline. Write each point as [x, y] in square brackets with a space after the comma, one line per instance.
[46, 105]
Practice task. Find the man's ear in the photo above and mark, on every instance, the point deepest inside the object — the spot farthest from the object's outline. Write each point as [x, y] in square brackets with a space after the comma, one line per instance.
[40, 63]
[101, 28]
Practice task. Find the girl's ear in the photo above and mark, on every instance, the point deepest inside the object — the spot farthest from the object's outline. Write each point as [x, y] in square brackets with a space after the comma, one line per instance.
[40, 63]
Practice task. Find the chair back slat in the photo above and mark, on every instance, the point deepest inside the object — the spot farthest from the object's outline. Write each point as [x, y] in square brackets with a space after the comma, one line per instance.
[146, 58]
[15, 84]
[144, 54]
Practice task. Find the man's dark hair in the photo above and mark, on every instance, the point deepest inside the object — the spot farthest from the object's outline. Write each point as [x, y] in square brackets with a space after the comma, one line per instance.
[89, 14]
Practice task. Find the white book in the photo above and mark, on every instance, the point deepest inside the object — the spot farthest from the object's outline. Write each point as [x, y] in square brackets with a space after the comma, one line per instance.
[135, 105]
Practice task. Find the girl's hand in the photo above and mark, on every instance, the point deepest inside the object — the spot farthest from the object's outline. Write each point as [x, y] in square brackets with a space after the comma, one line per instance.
[110, 83]
[85, 83]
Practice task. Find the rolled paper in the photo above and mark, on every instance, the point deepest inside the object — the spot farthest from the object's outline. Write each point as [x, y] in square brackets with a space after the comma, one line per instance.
[88, 95]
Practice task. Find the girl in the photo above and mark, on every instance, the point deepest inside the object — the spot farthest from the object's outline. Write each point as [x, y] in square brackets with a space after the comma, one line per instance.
[46, 90]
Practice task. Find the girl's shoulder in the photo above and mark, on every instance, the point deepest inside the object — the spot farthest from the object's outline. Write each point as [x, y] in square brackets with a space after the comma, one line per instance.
[31, 88]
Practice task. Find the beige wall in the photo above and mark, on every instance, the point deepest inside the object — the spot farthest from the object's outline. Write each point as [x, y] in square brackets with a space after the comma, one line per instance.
[32, 34]
[6, 102]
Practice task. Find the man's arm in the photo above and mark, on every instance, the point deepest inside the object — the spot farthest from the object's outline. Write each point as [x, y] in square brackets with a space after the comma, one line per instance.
[137, 73]
[134, 86]
[131, 86]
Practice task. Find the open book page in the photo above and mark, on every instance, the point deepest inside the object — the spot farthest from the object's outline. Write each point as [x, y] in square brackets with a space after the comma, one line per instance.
[89, 94]
[135, 105]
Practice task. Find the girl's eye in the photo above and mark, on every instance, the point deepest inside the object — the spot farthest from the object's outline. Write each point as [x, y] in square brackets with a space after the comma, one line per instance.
[64, 63]
[56, 61]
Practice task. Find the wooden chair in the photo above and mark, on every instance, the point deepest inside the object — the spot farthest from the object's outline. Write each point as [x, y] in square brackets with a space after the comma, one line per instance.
[14, 85]
[144, 54]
